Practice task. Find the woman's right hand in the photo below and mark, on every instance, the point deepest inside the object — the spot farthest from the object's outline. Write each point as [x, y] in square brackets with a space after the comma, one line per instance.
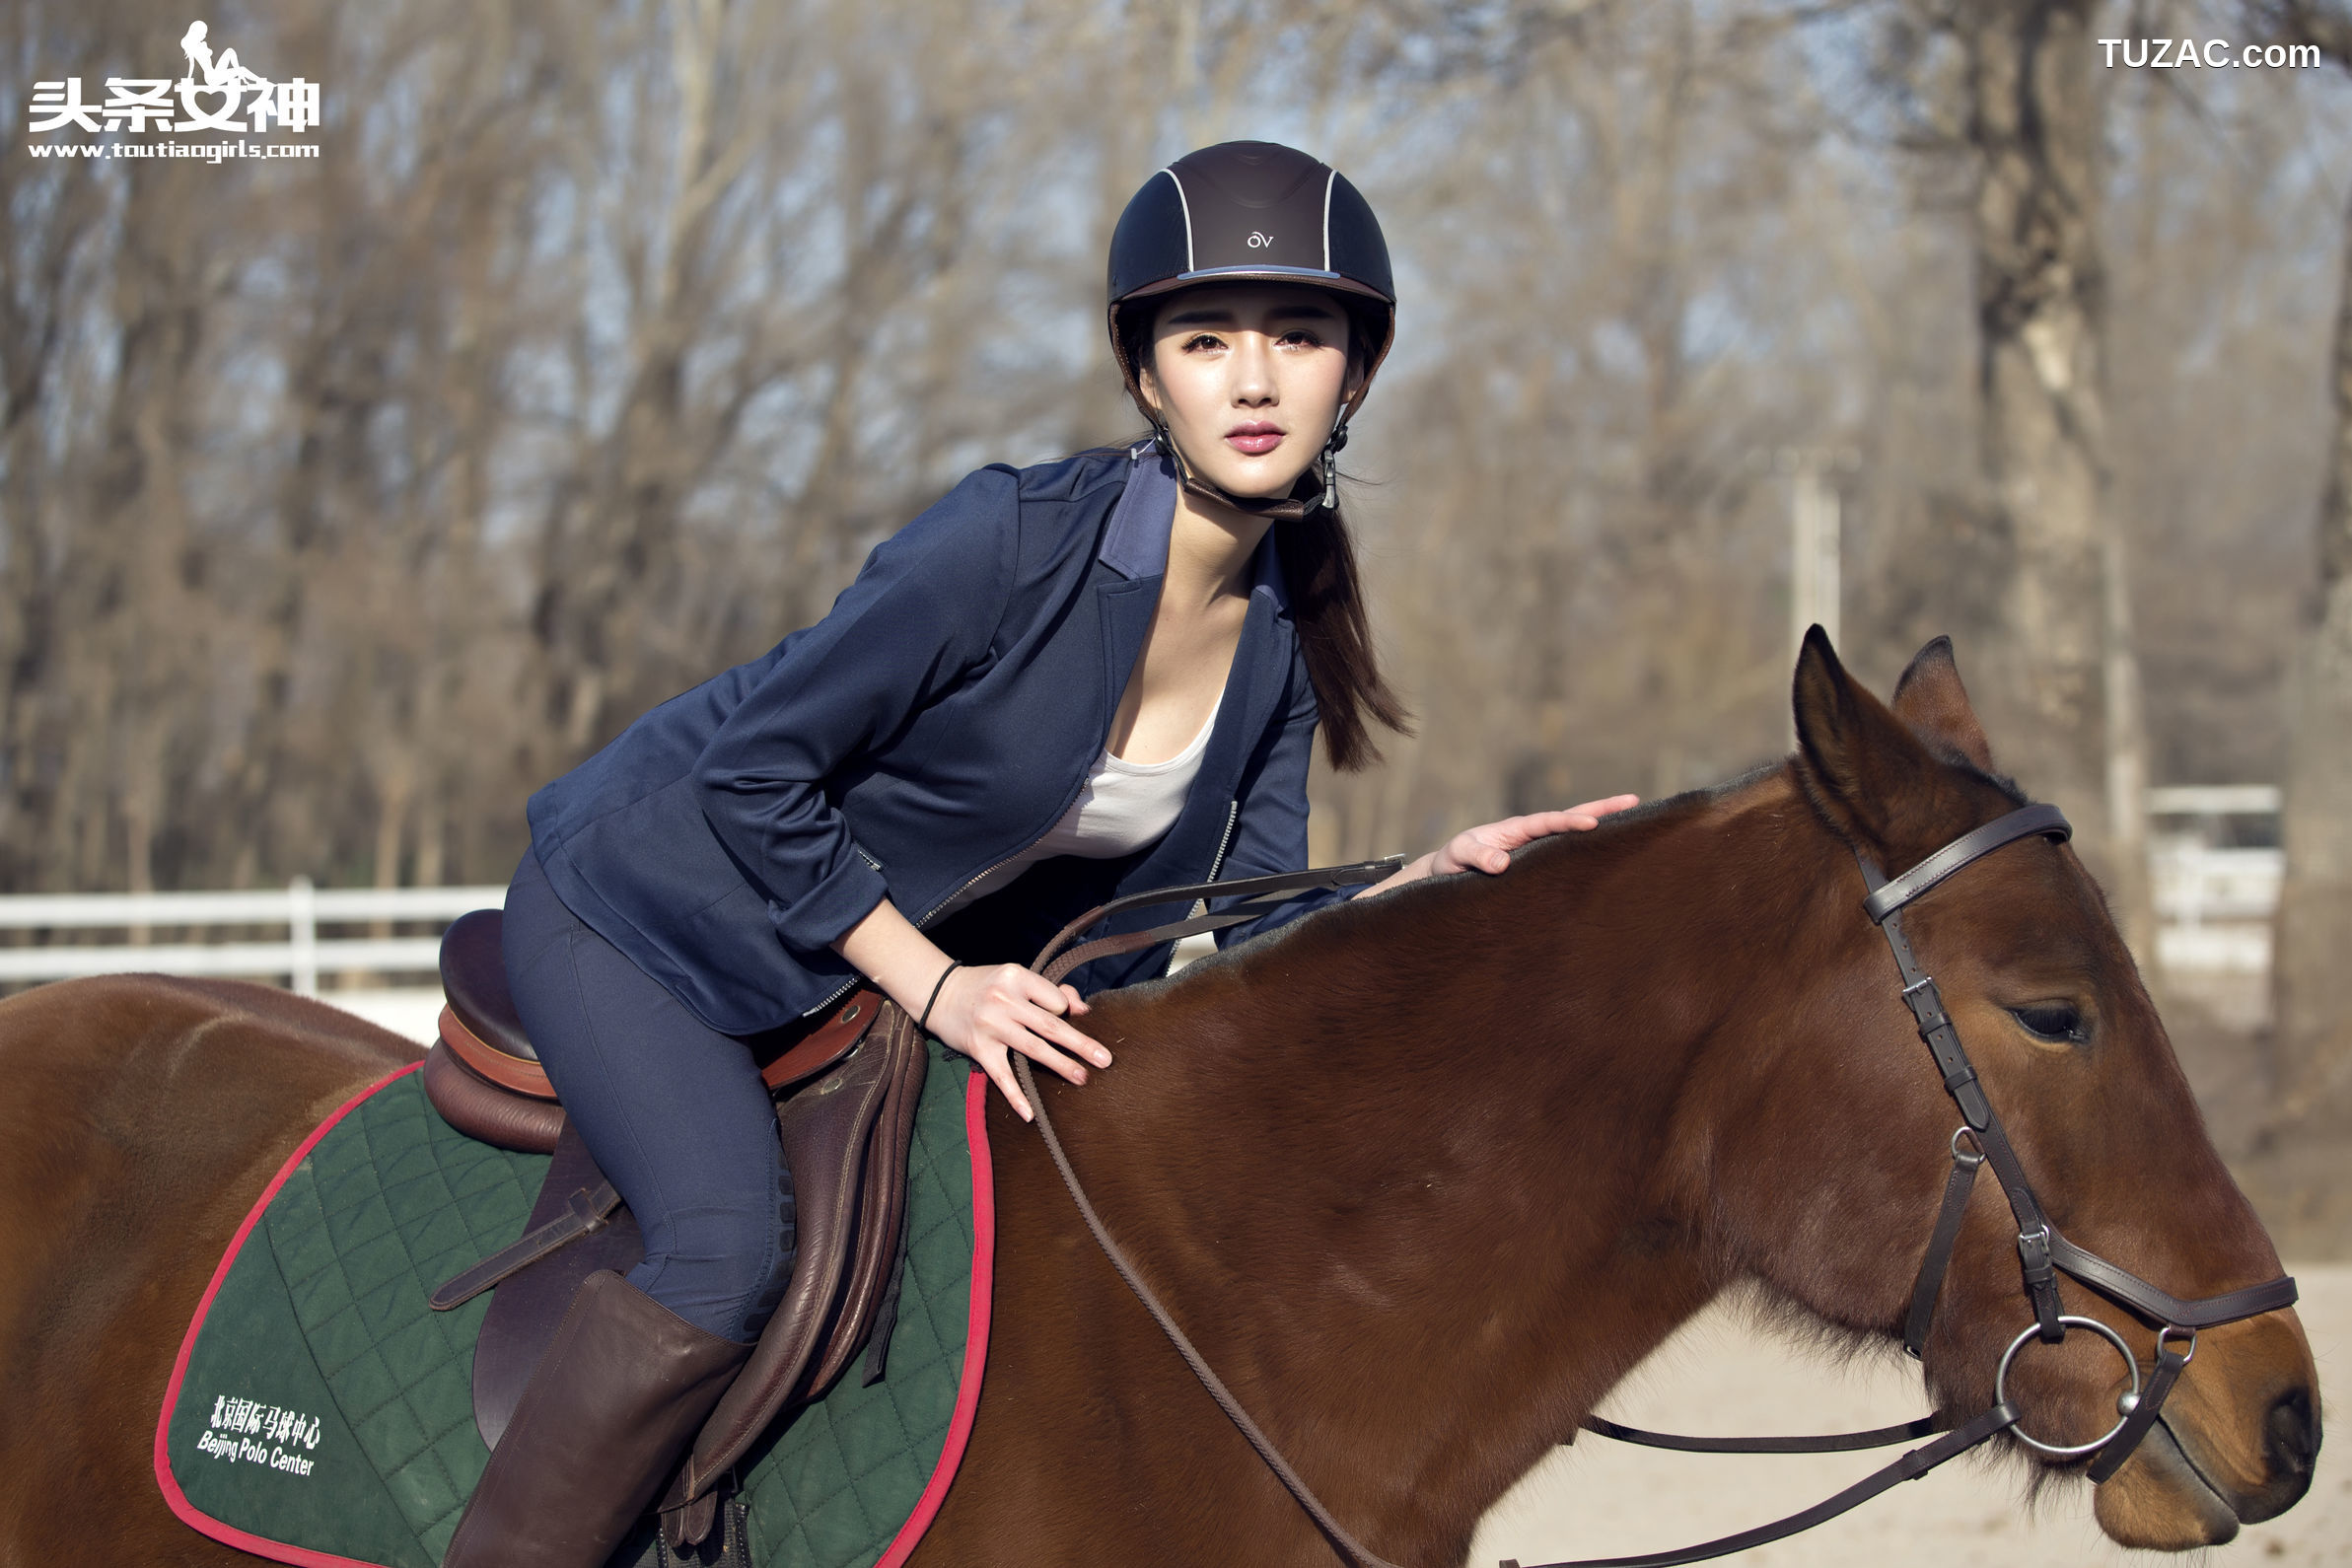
[991, 1011]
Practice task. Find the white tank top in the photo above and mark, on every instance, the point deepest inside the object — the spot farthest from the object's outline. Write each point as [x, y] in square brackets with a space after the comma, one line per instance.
[1122, 806]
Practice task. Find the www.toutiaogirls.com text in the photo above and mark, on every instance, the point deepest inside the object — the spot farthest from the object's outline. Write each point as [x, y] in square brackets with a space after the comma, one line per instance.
[210, 152]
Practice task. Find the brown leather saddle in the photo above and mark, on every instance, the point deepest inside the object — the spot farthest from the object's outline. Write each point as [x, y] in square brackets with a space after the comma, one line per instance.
[846, 1092]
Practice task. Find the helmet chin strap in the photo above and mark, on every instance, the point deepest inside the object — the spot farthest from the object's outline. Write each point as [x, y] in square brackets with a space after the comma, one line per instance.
[1288, 509]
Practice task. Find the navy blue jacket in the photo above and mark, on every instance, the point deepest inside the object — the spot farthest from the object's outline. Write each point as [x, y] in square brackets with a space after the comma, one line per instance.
[938, 720]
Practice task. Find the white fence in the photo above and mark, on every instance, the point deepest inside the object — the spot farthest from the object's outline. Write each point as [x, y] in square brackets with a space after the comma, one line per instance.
[2214, 901]
[128, 921]
[301, 908]
[2214, 907]
[2214, 904]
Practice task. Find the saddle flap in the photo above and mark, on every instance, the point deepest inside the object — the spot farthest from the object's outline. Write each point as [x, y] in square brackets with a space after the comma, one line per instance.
[882, 1216]
[531, 1300]
[827, 1130]
[529, 1303]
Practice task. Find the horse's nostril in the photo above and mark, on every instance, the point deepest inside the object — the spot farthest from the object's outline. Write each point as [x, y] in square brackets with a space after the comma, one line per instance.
[2291, 1433]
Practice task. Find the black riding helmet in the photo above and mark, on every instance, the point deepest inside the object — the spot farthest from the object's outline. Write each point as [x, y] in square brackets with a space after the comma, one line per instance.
[1241, 212]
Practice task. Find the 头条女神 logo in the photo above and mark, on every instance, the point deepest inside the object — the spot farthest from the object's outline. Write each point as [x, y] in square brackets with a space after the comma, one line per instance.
[212, 92]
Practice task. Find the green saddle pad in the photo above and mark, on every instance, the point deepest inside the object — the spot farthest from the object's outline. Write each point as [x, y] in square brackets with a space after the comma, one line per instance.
[321, 1413]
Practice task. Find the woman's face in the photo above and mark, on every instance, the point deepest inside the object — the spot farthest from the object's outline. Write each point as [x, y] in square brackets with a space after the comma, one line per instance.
[1248, 378]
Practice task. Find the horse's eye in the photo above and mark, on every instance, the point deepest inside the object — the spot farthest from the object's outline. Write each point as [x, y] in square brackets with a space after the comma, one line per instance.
[2059, 1023]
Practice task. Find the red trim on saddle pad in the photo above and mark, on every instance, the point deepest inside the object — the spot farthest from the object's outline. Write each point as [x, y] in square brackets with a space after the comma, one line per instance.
[910, 1534]
[975, 1333]
[190, 1514]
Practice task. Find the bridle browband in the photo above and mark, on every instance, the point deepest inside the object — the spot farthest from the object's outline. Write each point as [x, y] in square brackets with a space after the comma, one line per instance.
[2042, 1252]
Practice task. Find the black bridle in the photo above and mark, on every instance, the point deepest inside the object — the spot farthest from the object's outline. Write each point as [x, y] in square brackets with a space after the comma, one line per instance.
[2042, 1252]
[2042, 1255]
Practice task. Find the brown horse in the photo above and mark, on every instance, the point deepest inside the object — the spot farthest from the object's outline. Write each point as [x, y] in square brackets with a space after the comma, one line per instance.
[1423, 1176]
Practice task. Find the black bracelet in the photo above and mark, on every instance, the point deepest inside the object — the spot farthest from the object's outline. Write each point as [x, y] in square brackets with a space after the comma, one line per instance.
[923, 1024]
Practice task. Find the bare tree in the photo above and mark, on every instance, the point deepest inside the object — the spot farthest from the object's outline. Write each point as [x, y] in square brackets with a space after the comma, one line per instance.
[2068, 681]
[2314, 932]
[345, 503]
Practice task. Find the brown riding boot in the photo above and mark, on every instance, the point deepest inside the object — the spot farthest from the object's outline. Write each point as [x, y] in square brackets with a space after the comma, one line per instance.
[624, 1386]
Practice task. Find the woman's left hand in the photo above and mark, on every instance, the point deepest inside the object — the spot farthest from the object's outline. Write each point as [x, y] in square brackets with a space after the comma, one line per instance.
[1488, 846]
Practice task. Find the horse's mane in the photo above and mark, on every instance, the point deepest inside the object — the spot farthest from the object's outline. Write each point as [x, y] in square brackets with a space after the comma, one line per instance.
[1675, 806]
[1608, 839]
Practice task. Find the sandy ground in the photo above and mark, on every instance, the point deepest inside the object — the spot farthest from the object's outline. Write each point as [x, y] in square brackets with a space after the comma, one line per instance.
[1603, 1498]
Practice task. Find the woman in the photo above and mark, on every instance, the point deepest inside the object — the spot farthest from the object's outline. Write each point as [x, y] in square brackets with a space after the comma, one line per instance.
[226, 72]
[1059, 684]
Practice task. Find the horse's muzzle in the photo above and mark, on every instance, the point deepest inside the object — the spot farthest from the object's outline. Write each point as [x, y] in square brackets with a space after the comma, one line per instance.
[2291, 1443]
[2212, 1465]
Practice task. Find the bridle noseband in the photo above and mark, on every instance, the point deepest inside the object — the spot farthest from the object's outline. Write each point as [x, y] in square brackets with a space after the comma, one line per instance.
[2042, 1252]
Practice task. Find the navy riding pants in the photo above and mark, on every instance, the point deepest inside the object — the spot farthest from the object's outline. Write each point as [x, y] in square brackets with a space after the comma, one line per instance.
[674, 1112]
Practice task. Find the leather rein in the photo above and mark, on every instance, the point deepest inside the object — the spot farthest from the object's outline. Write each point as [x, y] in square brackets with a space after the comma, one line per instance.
[2043, 1252]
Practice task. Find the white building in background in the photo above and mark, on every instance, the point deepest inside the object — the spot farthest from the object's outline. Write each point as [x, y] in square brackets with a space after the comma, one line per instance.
[2214, 859]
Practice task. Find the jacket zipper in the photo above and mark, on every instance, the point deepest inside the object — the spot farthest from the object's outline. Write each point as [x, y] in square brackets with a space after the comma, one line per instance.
[930, 914]
[1233, 814]
[1201, 906]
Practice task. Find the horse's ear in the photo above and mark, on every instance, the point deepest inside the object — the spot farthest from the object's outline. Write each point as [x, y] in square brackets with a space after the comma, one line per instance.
[1932, 701]
[1862, 765]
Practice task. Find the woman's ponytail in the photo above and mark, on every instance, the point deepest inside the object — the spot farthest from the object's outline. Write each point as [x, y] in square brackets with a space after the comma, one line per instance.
[1326, 605]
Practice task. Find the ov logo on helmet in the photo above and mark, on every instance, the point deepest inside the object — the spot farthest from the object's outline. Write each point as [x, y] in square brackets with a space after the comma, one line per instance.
[1256, 239]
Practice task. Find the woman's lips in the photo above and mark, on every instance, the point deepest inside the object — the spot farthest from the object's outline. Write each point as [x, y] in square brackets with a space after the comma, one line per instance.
[1255, 439]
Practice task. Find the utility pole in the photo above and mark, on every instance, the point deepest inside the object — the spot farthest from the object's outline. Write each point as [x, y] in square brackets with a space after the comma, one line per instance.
[1816, 521]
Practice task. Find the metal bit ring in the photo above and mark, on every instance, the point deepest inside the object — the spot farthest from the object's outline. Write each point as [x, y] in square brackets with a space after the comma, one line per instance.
[2077, 1451]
